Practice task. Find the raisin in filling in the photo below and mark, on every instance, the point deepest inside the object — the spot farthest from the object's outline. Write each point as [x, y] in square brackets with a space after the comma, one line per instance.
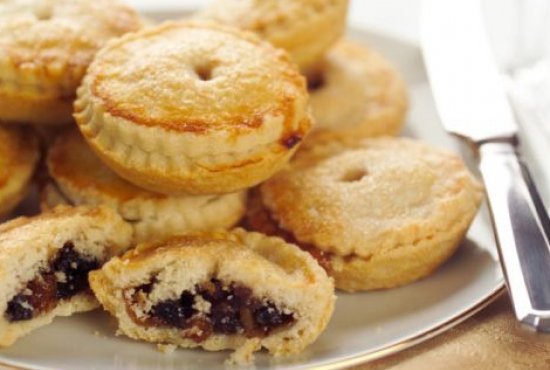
[292, 140]
[66, 276]
[232, 309]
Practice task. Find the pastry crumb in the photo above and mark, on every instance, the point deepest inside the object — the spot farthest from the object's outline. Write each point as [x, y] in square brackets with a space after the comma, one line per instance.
[99, 334]
[202, 305]
[166, 348]
[244, 355]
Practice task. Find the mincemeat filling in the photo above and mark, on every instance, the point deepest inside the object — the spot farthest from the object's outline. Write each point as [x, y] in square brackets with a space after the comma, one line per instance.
[66, 276]
[213, 308]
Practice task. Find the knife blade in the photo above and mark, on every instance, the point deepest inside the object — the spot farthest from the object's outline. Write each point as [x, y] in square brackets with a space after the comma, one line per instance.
[472, 103]
[464, 78]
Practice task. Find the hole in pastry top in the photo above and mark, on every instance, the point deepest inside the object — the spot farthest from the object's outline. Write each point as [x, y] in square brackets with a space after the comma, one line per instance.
[204, 71]
[354, 175]
[316, 81]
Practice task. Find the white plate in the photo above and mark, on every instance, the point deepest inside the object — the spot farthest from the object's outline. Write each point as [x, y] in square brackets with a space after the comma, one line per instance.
[365, 326]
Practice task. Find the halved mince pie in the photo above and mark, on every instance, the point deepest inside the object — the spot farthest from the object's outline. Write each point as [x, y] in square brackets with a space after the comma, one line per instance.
[44, 265]
[218, 290]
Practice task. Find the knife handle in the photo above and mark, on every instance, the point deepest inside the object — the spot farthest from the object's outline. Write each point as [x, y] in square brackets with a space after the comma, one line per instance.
[522, 230]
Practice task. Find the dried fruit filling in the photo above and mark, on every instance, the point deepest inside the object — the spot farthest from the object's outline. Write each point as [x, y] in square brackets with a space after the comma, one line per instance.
[66, 276]
[214, 308]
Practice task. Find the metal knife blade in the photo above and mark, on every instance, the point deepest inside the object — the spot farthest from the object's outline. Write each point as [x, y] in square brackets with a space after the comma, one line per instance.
[467, 86]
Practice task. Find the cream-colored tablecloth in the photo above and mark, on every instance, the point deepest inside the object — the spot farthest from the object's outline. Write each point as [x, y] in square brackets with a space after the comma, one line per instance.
[490, 340]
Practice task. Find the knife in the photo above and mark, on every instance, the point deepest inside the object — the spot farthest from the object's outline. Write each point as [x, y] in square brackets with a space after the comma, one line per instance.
[472, 103]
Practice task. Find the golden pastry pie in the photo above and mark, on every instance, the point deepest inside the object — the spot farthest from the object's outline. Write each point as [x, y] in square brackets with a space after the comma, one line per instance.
[44, 265]
[193, 108]
[218, 290]
[19, 154]
[45, 48]
[356, 89]
[305, 28]
[377, 213]
[80, 178]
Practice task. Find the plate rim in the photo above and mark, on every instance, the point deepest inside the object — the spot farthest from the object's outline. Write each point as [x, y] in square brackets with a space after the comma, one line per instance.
[428, 333]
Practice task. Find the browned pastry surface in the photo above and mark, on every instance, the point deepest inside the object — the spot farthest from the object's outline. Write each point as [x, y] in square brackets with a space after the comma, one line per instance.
[45, 48]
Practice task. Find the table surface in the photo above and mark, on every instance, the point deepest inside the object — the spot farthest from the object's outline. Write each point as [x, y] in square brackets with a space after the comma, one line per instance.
[492, 339]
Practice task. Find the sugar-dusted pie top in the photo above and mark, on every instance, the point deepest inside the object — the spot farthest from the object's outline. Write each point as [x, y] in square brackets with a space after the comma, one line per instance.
[195, 77]
[55, 40]
[370, 196]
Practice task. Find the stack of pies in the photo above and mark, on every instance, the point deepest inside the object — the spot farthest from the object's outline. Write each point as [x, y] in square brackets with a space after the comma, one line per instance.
[168, 136]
